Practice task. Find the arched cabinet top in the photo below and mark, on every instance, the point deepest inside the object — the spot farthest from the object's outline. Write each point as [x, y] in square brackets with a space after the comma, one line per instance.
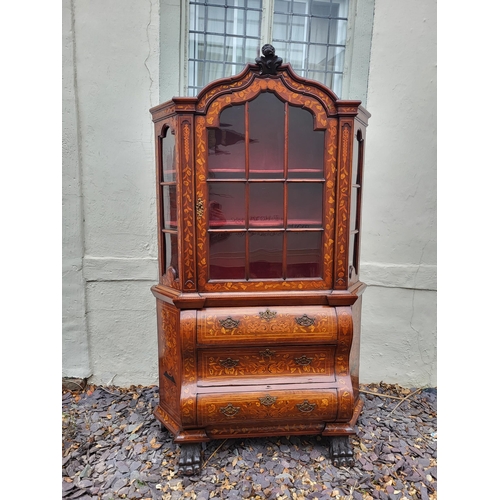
[254, 79]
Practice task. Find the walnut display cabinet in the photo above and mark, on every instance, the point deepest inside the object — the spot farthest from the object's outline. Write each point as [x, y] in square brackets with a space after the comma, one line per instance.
[259, 183]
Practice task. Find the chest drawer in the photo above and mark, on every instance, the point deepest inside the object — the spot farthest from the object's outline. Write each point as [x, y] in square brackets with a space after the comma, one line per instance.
[285, 406]
[266, 325]
[242, 366]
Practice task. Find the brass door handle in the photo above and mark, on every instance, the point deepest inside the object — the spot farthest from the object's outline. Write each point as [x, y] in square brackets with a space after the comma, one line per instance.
[200, 208]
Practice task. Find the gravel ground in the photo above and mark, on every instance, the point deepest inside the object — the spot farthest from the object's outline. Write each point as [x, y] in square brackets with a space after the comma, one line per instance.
[113, 448]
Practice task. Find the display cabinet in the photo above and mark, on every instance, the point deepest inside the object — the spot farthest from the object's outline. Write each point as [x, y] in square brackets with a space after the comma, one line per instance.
[259, 184]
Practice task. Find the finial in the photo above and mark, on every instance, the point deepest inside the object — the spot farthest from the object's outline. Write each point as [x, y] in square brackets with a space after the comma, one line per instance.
[268, 62]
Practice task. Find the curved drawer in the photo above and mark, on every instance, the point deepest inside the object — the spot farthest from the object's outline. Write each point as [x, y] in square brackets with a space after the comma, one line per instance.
[284, 406]
[242, 366]
[267, 325]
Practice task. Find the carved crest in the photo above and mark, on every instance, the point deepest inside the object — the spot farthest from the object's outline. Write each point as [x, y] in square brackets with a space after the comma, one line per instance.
[268, 62]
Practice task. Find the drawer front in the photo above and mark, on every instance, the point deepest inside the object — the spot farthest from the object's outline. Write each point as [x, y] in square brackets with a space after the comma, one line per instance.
[286, 406]
[249, 365]
[267, 325]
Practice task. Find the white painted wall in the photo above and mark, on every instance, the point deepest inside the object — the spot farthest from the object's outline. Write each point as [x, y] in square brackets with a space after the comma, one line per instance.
[116, 82]
[399, 218]
[112, 76]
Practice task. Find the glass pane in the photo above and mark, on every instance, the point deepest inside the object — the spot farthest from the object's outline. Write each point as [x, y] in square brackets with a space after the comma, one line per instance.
[305, 205]
[338, 32]
[319, 30]
[227, 255]
[280, 29]
[267, 138]
[196, 17]
[282, 6]
[304, 162]
[298, 52]
[303, 259]
[171, 252]
[352, 241]
[354, 206]
[226, 145]
[266, 205]
[226, 206]
[253, 23]
[235, 24]
[299, 28]
[252, 50]
[317, 57]
[215, 19]
[169, 207]
[335, 59]
[266, 255]
[215, 48]
[235, 50]
[254, 4]
[321, 8]
[168, 157]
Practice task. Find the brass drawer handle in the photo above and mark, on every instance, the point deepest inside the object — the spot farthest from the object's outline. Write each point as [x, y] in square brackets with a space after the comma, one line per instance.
[229, 323]
[268, 400]
[230, 410]
[306, 407]
[229, 362]
[268, 315]
[303, 360]
[304, 320]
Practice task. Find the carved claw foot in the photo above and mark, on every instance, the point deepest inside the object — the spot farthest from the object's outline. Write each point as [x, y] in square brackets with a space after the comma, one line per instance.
[190, 459]
[341, 451]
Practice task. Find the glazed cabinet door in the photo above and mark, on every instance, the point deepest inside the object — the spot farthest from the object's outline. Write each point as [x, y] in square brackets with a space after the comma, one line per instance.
[265, 197]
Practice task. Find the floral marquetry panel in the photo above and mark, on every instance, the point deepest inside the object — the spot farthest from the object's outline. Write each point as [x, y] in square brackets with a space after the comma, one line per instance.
[285, 364]
[263, 406]
[256, 325]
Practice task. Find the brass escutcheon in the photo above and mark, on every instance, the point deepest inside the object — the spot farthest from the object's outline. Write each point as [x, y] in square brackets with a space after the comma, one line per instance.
[230, 410]
[229, 323]
[268, 315]
[305, 406]
[304, 320]
[229, 362]
[267, 353]
[303, 360]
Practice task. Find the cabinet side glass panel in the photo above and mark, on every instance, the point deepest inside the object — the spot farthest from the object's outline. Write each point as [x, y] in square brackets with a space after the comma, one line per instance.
[267, 137]
[169, 207]
[168, 157]
[305, 145]
[169, 204]
[171, 252]
[226, 145]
